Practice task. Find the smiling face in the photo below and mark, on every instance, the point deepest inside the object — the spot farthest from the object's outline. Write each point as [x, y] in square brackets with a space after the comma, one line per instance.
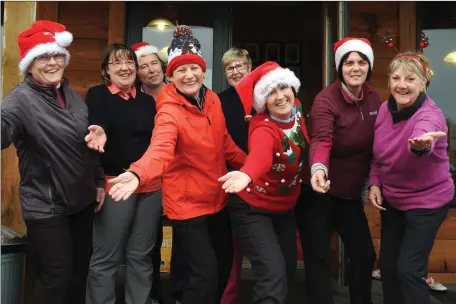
[235, 71]
[188, 78]
[354, 71]
[48, 69]
[405, 86]
[121, 70]
[150, 70]
[280, 102]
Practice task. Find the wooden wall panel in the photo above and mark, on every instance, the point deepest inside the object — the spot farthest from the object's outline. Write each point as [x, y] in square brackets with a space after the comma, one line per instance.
[18, 17]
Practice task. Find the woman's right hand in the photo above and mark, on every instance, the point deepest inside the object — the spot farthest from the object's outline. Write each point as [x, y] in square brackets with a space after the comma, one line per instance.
[235, 181]
[319, 182]
[124, 185]
[375, 197]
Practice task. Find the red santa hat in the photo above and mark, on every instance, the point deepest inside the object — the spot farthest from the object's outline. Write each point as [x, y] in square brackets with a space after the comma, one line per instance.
[144, 48]
[43, 37]
[350, 44]
[256, 86]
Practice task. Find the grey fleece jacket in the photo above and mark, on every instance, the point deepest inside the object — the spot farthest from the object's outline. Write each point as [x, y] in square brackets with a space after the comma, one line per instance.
[59, 173]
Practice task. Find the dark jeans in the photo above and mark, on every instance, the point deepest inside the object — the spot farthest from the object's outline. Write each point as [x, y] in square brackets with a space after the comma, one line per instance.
[268, 239]
[207, 244]
[178, 271]
[63, 245]
[406, 243]
[156, 262]
[317, 216]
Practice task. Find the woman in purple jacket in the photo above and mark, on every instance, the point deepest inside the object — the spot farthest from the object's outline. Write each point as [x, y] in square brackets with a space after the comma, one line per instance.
[409, 179]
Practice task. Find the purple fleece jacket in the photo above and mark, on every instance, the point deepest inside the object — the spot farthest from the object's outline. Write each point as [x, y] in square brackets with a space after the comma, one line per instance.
[409, 181]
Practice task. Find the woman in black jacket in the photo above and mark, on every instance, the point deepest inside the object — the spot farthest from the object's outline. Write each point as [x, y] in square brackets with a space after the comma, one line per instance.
[60, 176]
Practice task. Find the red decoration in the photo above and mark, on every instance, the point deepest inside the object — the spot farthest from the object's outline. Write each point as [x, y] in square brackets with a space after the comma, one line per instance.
[390, 44]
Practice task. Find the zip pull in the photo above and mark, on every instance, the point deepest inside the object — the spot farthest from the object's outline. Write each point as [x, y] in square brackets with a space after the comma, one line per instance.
[209, 120]
[361, 111]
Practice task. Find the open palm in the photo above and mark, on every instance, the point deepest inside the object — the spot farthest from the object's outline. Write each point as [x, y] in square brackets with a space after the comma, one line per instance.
[96, 139]
[235, 181]
[424, 141]
[123, 186]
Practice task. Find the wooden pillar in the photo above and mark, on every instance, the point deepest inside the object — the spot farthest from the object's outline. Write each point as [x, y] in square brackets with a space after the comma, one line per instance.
[18, 17]
[407, 25]
[116, 26]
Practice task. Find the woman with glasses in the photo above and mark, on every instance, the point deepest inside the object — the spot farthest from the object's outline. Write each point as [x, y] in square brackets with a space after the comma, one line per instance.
[128, 230]
[60, 176]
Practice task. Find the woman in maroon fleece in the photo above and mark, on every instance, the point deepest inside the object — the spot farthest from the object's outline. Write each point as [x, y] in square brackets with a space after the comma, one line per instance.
[343, 116]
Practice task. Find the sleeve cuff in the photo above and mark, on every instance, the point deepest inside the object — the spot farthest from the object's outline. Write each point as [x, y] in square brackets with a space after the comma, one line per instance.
[374, 181]
[318, 166]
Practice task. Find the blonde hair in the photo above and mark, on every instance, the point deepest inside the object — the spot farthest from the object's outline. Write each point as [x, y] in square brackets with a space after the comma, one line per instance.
[414, 63]
[236, 54]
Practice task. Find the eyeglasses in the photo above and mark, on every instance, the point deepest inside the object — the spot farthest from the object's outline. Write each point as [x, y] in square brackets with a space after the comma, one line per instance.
[44, 59]
[239, 67]
[119, 64]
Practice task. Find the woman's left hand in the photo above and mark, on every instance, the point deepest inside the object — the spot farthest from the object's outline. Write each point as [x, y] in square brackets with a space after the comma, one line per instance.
[124, 185]
[235, 181]
[101, 194]
[96, 139]
[425, 141]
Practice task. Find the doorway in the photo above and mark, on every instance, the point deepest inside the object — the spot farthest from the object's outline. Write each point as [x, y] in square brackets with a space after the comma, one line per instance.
[286, 32]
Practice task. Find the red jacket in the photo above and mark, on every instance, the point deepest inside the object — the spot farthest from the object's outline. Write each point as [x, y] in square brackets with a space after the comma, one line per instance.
[275, 163]
[342, 137]
[189, 150]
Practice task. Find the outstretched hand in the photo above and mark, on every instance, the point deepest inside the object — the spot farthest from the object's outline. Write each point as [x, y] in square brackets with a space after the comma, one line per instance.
[235, 181]
[425, 141]
[124, 185]
[96, 139]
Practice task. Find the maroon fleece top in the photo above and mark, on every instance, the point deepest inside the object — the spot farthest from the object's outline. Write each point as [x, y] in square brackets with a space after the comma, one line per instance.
[342, 137]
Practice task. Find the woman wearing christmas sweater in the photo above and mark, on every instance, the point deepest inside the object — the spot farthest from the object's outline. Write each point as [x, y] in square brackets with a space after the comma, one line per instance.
[268, 185]
[409, 180]
[188, 152]
[343, 117]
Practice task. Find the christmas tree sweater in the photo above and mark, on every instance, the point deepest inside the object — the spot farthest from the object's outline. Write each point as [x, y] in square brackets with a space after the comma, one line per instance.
[277, 162]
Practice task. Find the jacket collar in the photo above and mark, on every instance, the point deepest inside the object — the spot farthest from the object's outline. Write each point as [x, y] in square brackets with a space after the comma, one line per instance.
[49, 93]
[405, 113]
[349, 98]
[192, 100]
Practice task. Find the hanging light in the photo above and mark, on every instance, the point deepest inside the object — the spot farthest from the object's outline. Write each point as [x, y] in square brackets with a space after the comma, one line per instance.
[451, 57]
[160, 23]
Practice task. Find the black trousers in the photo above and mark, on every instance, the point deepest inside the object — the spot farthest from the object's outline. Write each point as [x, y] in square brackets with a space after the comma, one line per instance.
[268, 239]
[178, 268]
[317, 216]
[406, 242]
[63, 246]
[156, 262]
[207, 244]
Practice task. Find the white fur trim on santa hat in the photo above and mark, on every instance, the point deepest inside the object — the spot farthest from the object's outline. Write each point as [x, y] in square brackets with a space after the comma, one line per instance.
[63, 38]
[352, 46]
[146, 50]
[40, 49]
[269, 82]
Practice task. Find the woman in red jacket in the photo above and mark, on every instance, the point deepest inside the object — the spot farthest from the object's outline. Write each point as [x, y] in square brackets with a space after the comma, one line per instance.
[189, 149]
[268, 185]
[343, 116]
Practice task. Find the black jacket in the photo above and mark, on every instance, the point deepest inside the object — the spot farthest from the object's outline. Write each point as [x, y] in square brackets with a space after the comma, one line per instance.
[59, 173]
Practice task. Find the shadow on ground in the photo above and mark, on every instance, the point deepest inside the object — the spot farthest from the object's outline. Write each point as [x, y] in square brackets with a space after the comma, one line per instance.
[297, 294]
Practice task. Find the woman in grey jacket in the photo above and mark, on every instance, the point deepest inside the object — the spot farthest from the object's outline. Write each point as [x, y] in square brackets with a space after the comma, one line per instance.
[60, 176]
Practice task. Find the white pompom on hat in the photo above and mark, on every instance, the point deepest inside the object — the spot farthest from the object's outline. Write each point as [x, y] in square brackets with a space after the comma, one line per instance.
[43, 37]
